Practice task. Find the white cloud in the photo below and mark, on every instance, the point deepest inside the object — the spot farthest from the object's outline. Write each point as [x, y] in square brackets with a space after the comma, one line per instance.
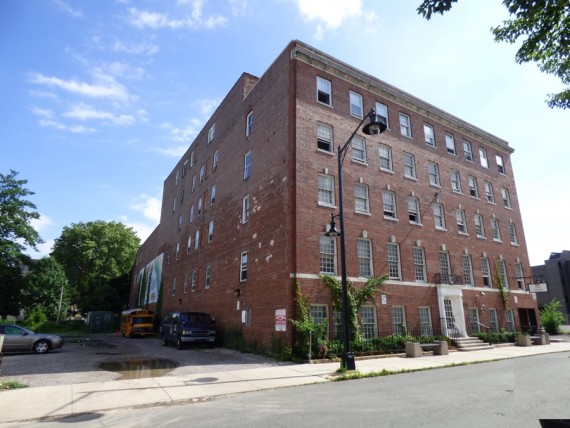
[126, 71]
[42, 223]
[136, 49]
[66, 7]
[328, 14]
[174, 152]
[156, 20]
[42, 112]
[84, 111]
[75, 129]
[149, 206]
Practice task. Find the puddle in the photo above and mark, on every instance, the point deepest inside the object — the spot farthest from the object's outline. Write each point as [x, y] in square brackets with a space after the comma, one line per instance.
[140, 368]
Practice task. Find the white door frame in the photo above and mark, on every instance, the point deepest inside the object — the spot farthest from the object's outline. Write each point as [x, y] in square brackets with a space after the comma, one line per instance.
[455, 295]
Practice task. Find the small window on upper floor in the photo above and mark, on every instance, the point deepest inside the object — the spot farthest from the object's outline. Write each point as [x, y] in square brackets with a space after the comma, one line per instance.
[324, 137]
[467, 151]
[192, 158]
[324, 91]
[359, 149]
[211, 133]
[483, 158]
[185, 167]
[429, 135]
[409, 166]
[249, 124]
[213, 195]
[202, 173]
[500, 164]
[506, 198]
[450, 144]
[356, 108]
[216, 160]
[455, 181]
[382, 110]
[433, 173]
[385, 153]
[405, 125]
[247, 166]
[177, 179]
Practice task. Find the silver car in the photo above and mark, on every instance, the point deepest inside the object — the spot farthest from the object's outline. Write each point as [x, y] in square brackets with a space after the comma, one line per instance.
[20, 339]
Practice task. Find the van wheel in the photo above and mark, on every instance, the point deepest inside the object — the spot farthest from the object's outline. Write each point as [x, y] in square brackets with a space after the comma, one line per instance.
[164, 341]
[179, 343]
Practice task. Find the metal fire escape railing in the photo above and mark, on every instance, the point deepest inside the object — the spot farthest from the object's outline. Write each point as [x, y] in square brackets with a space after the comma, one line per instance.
[446, 278]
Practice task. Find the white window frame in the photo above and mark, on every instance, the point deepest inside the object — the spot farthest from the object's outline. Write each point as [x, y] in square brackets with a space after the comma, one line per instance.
[200, 206]
[433, 173]
[414, 210]
[473, 189]
[495, 230]
[493, 321]
[510, 320]
[474, 320]
[324, 91]
[439, 216]
[368, 322]
[419, 260]
[382, 110]
[202, 173]
[429, 135]
[243, 267]
[325, 137]
[210, 230]
[364, 253]
[245, 209]
[185, 283]
[505, 195]
[467, 151]
[247, 159]
[393, 261]
[479, 226]
[513, 234]
[194, 280]
[502, 273]
[409, 166]
[361, 199]
[327, 254]
[177, 254]
[486, 272]
[484, 160]
[320, 314]
[356, 105]
[519, 275]
[216, 160]
[193, 183]
[326, 196]
[249, 124]
[358, 149]
[389, 204]
[467, 270]
[213, 194]
[455, 181]
[450, 144]
[405, 125]
[500, 164]
[461, 222]
[191, 215]
[174, 286]
[399, 320]
[489, 194]
[197, 240]
[385, 155]
[426, 327]
[189, 244]
[208, 277]
[211, 133]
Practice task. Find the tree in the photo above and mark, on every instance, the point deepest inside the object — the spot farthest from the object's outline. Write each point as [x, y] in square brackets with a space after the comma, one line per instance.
[46, 286]
[94, 256]
[551, 317]
[546, 25]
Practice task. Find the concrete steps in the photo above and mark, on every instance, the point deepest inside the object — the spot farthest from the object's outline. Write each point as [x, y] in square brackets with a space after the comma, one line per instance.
[466, 344]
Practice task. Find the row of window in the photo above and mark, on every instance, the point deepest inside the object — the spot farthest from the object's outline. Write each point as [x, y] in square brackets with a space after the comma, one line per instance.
[325, 132]
[369, 321]
[328, 264]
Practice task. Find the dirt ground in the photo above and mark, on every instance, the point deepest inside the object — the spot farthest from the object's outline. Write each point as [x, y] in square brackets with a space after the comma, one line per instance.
[79, 360]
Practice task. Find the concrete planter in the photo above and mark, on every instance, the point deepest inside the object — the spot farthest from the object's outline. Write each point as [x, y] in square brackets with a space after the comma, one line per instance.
[524, 340]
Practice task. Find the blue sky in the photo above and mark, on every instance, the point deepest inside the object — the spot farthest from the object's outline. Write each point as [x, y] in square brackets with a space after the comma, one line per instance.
[101, 98]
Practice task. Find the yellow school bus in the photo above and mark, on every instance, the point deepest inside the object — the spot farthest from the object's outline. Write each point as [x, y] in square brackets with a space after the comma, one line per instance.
[137, 322]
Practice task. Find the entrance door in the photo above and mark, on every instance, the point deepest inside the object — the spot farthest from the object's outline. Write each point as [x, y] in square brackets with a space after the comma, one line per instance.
[528, 320]
[449, 318]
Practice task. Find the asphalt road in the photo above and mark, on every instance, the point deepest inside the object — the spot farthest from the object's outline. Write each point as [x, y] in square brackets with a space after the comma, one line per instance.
[80, 359]
[508, 393]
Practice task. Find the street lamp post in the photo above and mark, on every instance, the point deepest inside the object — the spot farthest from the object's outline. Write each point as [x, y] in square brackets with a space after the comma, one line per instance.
[376, 126]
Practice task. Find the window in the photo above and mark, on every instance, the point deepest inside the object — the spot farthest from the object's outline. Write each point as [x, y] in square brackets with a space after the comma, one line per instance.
[324, 137]
[326, 190]
[455, 181]
[364, 251]
[174, 287]
[192, 158]
[439, 216]
[338, 333]
[489, 195]
[398, 320]
[382, 110]
[467, 151]
[243, 267]
[194, 280]
[368, 320]
[213, 194]
[418, 256]
[174, 204]
[177, 251]
[414, 210]
[502, 273]
[197, 239]
[506, 197]
[433, 172]
[450, 144]
[479, 227]
[429, 136]
[409, 166]
[211, 231]
[510, 319]
[193, 182]
[467, 269]
[486, 272]
[461, 223]
[185, 167]
[168, 255]
[208, 276]
[327, 254]
[500, 164]
[319, 314]
[483, 158]
[474, 320]
[177, 179]
[513, 234]
[361, 203]
[324, 91]
[519, 275]
[185, 283]
[202, 173]
[216, 160]
[393, 258]
[385, 153]
[211, 133]
[200, 205]
[493, 324]
[356, 105]
[405, 125]
[389, 203]
[425, 321]
[189, 244]
[249, 124]
[445, 267]
[182, 195]
[473, 190]
[358, 149]
[245, 209]
[495, 229]
[179, 222]
[247, 166]
[191, 216]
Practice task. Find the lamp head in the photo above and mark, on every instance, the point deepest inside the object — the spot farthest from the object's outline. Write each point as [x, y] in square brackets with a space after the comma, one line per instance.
[333, 231]
[376, 126]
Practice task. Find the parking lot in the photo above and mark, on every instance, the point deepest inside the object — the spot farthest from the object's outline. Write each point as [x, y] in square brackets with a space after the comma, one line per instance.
[80, 359]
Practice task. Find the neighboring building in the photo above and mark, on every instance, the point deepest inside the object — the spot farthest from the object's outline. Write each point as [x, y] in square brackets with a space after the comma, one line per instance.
[553, 281]
[431, 202]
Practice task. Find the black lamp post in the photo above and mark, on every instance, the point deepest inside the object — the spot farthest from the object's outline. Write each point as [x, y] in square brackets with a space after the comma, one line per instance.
[376, 126]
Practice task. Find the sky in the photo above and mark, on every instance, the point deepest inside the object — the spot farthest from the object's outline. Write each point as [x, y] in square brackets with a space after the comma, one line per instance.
[100, 99]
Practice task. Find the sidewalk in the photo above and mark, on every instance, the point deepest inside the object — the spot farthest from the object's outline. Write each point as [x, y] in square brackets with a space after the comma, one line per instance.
[52, 401]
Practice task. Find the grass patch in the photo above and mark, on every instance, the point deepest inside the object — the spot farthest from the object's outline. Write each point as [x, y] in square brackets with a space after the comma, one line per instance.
[11, 384]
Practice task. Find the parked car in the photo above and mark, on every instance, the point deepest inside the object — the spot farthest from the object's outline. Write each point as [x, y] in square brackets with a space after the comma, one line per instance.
[187, 327]
[20, 339]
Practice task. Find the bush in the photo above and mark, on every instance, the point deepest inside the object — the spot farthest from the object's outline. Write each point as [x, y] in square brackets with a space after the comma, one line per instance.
[551, 317]
[502, 337]
[35, 318]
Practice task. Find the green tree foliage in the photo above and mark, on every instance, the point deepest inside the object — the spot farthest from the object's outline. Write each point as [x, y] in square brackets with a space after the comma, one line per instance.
[356, 297]
[551, 317]
[43, 287]
[95, 255]
[545, 27]
[311, 336]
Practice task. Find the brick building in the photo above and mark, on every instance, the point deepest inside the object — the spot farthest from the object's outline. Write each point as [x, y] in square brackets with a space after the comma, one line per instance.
[431, 202]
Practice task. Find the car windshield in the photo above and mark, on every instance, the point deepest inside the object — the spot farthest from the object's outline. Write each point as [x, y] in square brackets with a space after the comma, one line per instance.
[195, 318]
[14, 329]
